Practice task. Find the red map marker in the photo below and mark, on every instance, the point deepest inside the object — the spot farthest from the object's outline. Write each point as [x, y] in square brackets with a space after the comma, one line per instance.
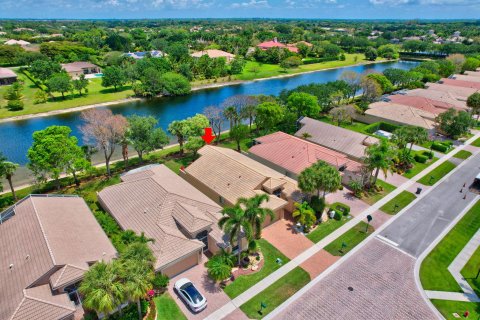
[208, 137]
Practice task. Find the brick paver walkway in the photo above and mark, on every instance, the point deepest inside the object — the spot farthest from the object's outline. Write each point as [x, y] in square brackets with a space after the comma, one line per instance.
[362, 289]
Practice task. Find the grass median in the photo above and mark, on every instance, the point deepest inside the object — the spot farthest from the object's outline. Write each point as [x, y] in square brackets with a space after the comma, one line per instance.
[398, 203]
[373, 196]
[462, 154]
[436, 174]
[351, 239]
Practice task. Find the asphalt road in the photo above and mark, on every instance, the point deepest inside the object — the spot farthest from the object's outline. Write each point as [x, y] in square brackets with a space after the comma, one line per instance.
[417, 228]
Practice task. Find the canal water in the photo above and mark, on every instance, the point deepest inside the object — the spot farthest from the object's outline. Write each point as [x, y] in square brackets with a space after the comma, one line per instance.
[16, 136]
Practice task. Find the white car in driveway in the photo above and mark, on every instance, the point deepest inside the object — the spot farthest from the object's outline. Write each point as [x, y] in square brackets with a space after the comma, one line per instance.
[189, 293]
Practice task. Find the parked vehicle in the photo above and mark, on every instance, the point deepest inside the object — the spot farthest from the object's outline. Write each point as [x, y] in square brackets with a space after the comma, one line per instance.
[189, 293]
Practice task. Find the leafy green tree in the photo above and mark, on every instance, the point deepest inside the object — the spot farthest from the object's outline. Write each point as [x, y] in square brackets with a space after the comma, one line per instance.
[446, 68]
[255, 213]
[383, 81]
[144, 136]
[379, 157]
[235, 224]
[371, 90]
[44, 69]
[80, 84]
[175, 84]
[473, 102]
[304, 104]
[7, 170]
[319, 177]
[388, 51]
[53, 151]
[237, 65]
[220, 266]
[183, 129]
[59, 82]
[113, 77]
[238, 133]
[269, 114]
[14, 96]
[371, 54]
[290, 62]
[454, 123]
[304, 214]
[194, 144]
[40, 96]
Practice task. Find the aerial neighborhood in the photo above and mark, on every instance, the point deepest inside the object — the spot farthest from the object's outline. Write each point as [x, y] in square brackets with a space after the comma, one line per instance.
[239, 168]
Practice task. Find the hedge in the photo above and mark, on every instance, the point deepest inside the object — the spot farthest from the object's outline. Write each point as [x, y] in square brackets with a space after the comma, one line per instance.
[341, 208]
[427, 154]
[318, 205]
[440, 146]
[421, 158]
[385, 126]
[318, 60]
[35, 81]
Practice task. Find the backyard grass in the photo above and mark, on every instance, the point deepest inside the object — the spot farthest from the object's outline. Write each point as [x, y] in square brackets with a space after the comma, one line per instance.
[325, 228]
[371, 197]
[434, 274]
[167, 308]
[438, 173]
[462, 154]
[401, 201]
[244, 282]
[418, 167]
[254, 70]
[96, 94]
[351, 238]
[447, 308]
[476, 143]
[469, 272]
[353, 125]
[276, 294]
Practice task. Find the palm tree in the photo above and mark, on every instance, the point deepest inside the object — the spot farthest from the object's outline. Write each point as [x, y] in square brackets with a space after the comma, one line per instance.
[306, 135]
[7, 169]
[254, 212]
[139, 252]
[473, 102]
[231, 114]
[220, 265]
[328, 179]
[102, 289]
[234, 223]
[137, 280]
[304, 214]
[379, 157]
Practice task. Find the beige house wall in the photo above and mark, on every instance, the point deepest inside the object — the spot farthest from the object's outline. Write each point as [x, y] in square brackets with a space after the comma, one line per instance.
[183, 264]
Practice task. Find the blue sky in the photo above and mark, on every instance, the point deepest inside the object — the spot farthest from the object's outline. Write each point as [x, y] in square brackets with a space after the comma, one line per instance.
[335, 9]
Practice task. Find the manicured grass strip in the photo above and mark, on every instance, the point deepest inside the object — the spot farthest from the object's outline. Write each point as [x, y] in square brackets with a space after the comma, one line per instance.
[244, 282]
[476, 143]
[437, 173]
[462, 154]
[447, 308]
[434, 274]
[325, 228]
[469, 272]
[167, 308]
[401, 201]
[373, 196]
[418, 167]
[276, 294]
[351, 238]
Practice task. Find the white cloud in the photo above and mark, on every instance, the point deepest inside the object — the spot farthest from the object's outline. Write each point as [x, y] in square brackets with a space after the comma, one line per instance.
[251, 4]
[426, 2]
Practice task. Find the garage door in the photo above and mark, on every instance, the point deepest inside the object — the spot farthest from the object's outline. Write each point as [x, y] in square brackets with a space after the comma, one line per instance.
[182, 265]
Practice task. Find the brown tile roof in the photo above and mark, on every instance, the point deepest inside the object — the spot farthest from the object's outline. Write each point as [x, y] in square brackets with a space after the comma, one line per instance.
[345, 141]
[438, 95]
[473, 73]
[66, 275]
[213, 53]
[233, 175]
[78, 66]
[460, 83]
[466, 77]
[422, 103]
[44, 235]
[457, 92]
[154, 200]
[402, 114]
[6, 73]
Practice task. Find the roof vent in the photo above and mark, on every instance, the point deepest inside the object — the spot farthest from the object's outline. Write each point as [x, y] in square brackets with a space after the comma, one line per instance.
[27, 257]
[10, 266]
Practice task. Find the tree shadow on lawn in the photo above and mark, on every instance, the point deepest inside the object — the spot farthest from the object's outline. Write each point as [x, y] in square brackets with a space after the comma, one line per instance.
[210, 285]
[112, 90]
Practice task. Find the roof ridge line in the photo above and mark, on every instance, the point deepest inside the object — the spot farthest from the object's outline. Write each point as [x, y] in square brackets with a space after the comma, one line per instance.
[244, 165]
[47, 302]
[43, 232]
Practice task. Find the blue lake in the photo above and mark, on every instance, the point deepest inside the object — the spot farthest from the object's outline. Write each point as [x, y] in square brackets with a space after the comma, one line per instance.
[16, 136]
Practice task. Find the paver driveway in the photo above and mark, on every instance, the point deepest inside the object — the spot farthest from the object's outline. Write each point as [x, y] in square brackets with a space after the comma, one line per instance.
[212, 291]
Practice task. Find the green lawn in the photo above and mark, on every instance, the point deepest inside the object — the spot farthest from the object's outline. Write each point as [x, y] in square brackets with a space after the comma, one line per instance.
[462, 154]
[354, 125]
[447, 308]
[167, 308]
[418, 167]
[476, 143]
[402, 200]
[434, 274]
[373, 196]
[276, 294]
[437, 173]
[96, 94]
[469, 272]
[325, 228]
[254, 70]
[244, 282]
[351, 238]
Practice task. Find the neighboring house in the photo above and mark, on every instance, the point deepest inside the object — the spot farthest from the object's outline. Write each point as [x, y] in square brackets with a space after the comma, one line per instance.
[275, 44]
[460, 83]
[214, 53]
[291, 155]
[7, 76]
[455, 90]
[422, 103]
[466, 77]
[142, 54]
[438, 95]
[226, 175]
[472, 73]
[348, 142]
[181, 220]
[75, 69]
[48, 243]
[397, 114]
[21, 43]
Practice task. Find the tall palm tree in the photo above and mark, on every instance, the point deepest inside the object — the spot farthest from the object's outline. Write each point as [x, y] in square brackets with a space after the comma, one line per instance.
[102, 289]
[328, 177]
[7, 169]
[235, 224]
[231, 114]
[139, 252]
[137, 280]
[379, 158]
[255, 213]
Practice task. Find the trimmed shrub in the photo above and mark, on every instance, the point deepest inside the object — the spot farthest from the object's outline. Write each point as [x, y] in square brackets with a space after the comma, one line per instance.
[318, 205]
[421, 158]
[337, 216]
[428, 154]
[341, 208]
[439, 146]
[160, 281]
